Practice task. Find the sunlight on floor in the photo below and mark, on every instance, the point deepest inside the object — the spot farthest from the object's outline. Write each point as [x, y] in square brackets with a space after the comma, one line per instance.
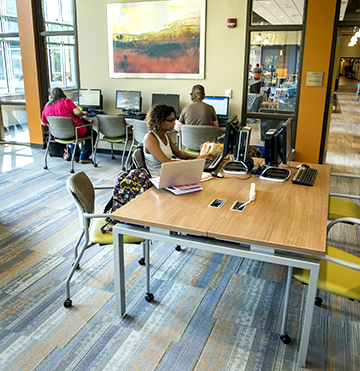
[15, 156]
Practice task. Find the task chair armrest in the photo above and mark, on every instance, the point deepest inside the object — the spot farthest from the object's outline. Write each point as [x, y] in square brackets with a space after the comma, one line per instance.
[351, 221]
[339, 195]
[338, 261]
[104, 187]
[354, 176]
[93, 216]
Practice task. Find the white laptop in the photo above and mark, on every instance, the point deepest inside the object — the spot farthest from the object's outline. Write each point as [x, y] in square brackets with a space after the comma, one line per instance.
[177, 173]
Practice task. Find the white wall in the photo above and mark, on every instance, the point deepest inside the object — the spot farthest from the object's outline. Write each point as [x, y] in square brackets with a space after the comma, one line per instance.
[224, 56]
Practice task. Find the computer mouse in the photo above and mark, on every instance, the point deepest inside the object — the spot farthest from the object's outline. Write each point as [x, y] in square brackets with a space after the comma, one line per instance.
[303, 165]
[217, 174]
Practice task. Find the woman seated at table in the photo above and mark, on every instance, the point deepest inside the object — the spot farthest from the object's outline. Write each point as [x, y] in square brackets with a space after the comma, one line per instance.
[158, 147]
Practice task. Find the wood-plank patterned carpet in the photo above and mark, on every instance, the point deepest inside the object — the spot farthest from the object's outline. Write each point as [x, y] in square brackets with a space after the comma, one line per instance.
[211, 311]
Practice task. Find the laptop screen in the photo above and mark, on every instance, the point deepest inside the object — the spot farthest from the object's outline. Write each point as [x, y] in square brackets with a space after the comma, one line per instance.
[221, 105]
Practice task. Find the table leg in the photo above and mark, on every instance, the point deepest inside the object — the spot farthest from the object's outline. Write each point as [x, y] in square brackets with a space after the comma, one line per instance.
[119, 279]
[309, 310]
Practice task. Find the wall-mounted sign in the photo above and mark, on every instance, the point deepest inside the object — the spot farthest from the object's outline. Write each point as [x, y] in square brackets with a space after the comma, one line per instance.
[314, 78]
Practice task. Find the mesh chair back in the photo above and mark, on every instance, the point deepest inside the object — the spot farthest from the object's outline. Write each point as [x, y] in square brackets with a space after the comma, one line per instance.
[139, 129]
[82, 191]
[111, 125]
[138, 158]
[193, 136]
[61, 127]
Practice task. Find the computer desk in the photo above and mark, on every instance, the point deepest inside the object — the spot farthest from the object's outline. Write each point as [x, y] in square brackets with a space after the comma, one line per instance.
[284, 222]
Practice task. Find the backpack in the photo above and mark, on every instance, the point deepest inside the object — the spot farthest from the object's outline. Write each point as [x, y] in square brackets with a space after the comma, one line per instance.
[128, 185]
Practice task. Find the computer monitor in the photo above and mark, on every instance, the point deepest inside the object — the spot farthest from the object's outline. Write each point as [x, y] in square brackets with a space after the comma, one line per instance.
[221, 105]
[272, 153]
[285, 141]
[168, 99]
[90, 98]
[231, 135]
[128, 100]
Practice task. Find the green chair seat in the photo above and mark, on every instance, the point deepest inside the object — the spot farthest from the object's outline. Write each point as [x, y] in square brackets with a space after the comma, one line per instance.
[334, 278]
[96, 236]
[341, 208]
[187, 150]
[70, 141]
[115, 140]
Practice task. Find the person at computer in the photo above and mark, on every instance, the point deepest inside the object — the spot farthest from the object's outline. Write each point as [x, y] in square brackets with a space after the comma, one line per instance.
[198, 112]
[158, 147]
[60, 105]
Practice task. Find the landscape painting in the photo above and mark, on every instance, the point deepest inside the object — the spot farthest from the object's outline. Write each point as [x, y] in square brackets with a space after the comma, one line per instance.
[159, 39]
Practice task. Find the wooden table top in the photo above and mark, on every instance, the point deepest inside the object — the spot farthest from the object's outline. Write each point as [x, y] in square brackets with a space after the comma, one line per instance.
[187, 213]
[284, 215]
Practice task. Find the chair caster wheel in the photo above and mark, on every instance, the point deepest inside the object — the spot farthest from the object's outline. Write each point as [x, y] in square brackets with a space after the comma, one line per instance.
[149, 297]
[72, 171]
[95, 165]
[45, 167]
[67, 303]
[142, 261]
[178, 248]
[285, 338]
[318, 301]
[113, 157]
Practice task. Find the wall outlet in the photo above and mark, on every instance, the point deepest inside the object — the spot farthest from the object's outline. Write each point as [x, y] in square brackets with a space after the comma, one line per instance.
[228, 93]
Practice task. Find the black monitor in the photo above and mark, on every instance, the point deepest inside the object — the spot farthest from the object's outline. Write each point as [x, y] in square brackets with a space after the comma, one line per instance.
[220, 104]
[231, 135]
[285, 140]
[272, 153]
[128, 100]
[168, 99]
[90, 98]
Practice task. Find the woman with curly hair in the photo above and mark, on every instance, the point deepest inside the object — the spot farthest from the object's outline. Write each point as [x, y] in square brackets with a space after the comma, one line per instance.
[158, 147]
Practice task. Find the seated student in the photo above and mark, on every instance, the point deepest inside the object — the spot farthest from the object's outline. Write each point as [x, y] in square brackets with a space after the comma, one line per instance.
[60, 105]
[198, 112]
[158, 147]
[257, 72]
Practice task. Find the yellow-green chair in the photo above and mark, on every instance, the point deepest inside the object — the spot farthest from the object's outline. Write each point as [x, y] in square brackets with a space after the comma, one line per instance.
[341, 210]
[339, 274]
[64, 127]
[114, 130]
[82, 192]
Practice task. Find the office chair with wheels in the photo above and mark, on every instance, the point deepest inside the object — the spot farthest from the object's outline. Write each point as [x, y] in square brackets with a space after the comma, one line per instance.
[139, 130]
[64, 127]
[193, 136]
[114, 130]
[342, 210]
[82, 192]
[339, 274]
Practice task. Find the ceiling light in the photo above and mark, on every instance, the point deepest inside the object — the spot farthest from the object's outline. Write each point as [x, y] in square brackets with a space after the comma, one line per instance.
[354, 39]
[350, 44]
[266, 41]
[357, 34]
[258, 37]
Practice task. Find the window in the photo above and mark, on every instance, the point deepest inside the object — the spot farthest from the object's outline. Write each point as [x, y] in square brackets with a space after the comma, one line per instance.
[11, 74]
[59, 16]
[274, 35]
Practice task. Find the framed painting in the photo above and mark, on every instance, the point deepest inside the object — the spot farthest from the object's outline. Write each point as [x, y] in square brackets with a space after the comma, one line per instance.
[157, 39]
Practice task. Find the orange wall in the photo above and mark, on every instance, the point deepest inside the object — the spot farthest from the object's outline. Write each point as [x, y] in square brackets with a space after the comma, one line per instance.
[30, 69]
[317, 51]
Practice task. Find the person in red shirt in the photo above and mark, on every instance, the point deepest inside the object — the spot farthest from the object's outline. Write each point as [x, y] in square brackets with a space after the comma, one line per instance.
[60, 105]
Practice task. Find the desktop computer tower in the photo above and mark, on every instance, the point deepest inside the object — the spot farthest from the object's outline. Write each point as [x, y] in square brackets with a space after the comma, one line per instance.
[242, 145]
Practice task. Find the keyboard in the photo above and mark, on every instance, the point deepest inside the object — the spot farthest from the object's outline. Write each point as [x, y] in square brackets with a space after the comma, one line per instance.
[138, 116]
[305, 176]
[213, 164]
